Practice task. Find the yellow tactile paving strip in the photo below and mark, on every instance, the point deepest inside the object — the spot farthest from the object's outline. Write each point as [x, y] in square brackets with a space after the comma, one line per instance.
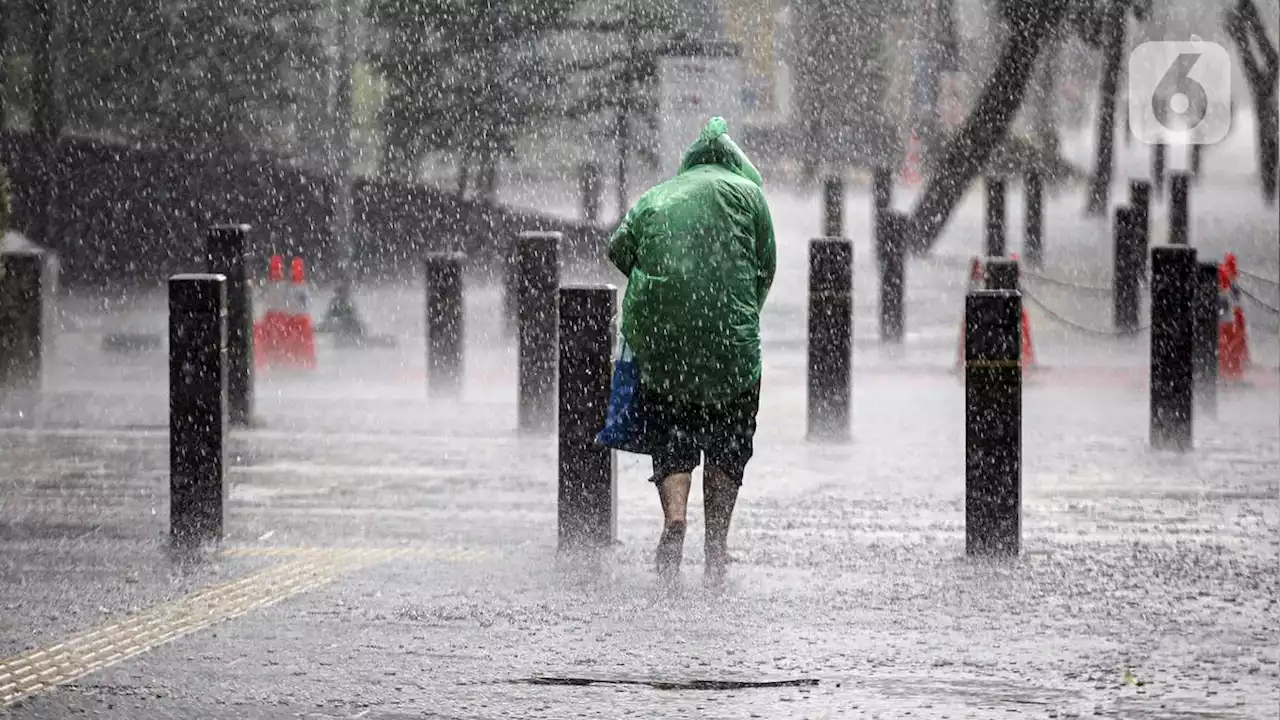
[36, 671]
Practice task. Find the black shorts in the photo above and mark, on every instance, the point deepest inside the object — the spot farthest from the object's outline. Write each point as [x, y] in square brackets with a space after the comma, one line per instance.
[682, 431]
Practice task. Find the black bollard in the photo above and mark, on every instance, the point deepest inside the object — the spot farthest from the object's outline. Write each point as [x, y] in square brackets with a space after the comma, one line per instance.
[881, 189]
[1158, 151]
[1001, 274]
[993, 422]
[1128, 256]
[588, 486]
[1193, 163]
[830, 337]
[1173, 290]
[833, 206]
[23, 305]
[198, 381]
[226, 249]
[445, 326]
[1179, 212]
[1205, 367]
[538, 279]
[591, 187]
[1140, 201]
[1033, 221]
[891, 240]
[995, 232]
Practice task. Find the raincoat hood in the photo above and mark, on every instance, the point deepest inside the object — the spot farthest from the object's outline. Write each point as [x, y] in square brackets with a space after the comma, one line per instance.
[715, 147]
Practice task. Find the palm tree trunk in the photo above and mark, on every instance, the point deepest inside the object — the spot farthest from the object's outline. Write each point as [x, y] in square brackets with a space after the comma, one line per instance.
[1100, 187]
[1031, 24]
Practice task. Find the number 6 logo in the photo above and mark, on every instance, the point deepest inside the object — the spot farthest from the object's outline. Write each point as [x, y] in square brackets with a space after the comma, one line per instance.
[1180, 92]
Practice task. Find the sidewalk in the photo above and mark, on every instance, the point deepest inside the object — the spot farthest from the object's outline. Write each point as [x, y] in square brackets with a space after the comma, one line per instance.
[388, 557]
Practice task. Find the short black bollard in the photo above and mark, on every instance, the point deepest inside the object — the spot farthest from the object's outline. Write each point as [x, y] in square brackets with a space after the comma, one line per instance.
[1140, 201]
[1196, 151]
[891, 241]
[1002, 274]
[588, 487]
[996, 245]
[1173, 290]
[226, 249]
[23, 303]
[538, 279]
[993, 423]
[830, 337]
[1158, 152]
[591, 187]
[198, 379]
[445, 325]
[1128, 257]
[1179, 212]
[1205, 367]
[881, 190]
[833, 206]
[1033, 221]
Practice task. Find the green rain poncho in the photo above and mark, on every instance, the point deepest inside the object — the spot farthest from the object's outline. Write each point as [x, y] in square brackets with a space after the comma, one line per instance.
[699, 253]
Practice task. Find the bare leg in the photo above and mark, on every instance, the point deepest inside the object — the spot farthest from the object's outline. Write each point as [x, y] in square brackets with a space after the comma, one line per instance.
[720, 495]
[674, 494]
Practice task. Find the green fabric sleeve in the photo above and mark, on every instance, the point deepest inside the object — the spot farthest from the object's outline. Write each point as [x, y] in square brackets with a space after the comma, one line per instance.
[622, 246]
[766, 249]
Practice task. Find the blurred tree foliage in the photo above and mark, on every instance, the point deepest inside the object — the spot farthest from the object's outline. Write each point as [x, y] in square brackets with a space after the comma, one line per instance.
[218, 76]
[211, 77]
[465, 77]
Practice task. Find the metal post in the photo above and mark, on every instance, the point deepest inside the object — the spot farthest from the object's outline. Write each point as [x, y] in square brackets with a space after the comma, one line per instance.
[1179, 184]
[1002, 274]
[591, 187]
[833, 207]
[1173, 276]
[1158, 152]
[445, 324]
[1205, 367]
[881, 189]
[1196, 151]
[993, 422]
[1128, 257]
[23, 325]
[198, 378]
[995, 230]
[1033, 231]
[538, 279]
[891, 257]
[1140, 201]
[588, 480]
[830, 337]
[226, 250]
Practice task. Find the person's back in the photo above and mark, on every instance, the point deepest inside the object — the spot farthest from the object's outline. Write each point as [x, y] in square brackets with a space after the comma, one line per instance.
[698, 251]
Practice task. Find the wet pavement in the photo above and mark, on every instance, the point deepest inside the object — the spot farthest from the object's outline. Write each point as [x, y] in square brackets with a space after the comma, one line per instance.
[389, 557]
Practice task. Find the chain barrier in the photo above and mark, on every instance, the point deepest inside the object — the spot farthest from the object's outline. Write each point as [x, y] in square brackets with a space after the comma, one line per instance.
[1259, 301]
[1075, 325]
[1259, 278]
[1068, 284]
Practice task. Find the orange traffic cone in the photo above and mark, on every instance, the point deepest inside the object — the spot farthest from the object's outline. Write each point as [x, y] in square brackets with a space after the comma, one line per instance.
[1028, 359]
[298, 343]
[911, 166]
[1233, 339]
[1028, 347]
[267, 330]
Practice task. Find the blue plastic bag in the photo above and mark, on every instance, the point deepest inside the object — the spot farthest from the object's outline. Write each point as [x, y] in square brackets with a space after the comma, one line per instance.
[624, 425]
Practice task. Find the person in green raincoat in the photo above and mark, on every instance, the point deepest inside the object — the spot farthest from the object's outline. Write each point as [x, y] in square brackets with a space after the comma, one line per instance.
[698, 251]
